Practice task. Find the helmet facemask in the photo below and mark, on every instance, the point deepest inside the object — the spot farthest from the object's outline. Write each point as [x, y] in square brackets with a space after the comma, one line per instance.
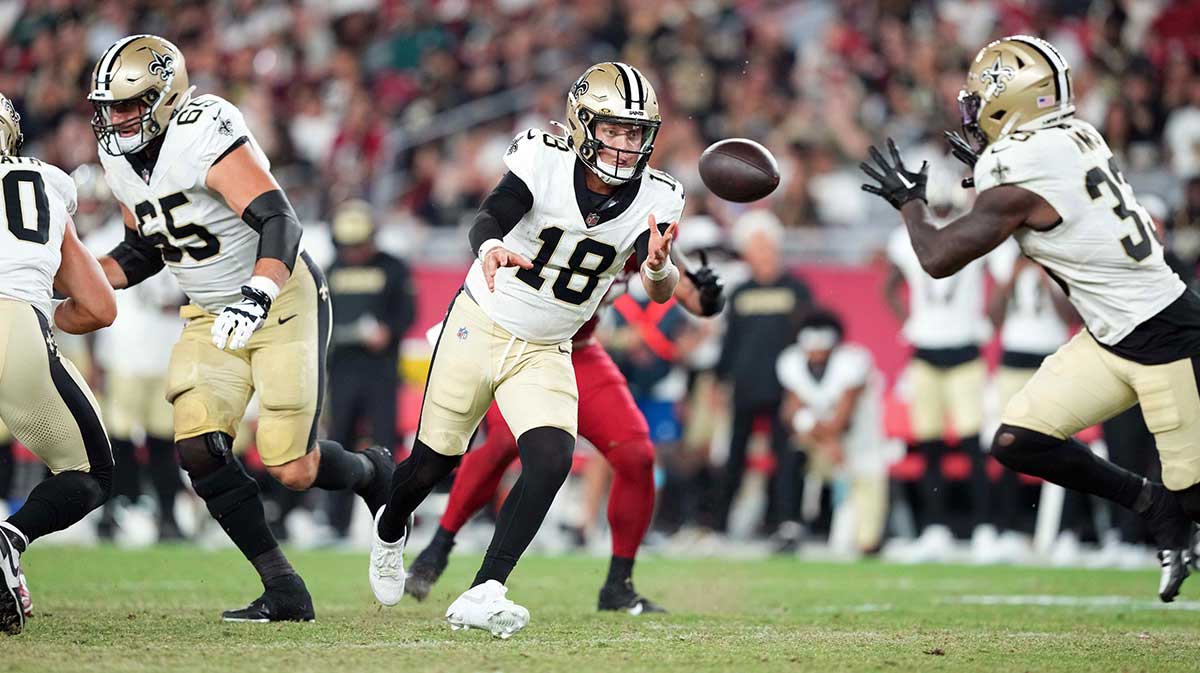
[131, 135]
[591, 148]
[969, 105]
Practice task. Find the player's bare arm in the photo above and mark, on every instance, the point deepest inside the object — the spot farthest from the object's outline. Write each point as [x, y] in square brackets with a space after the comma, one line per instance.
[251, 192]
[891, 293]
[91, 303]
[133, 260]
[943, 252]
[659, 275]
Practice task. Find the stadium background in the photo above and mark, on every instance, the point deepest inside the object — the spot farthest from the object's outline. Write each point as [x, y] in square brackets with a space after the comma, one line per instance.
[411, 105]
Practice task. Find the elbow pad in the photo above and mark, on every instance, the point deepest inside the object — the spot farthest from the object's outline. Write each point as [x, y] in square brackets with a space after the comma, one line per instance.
[279, 230]
[137, 257]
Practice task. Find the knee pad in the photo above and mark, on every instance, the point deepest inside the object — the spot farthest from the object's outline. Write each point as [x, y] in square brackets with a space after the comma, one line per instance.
[205, 454]
[1189, 499]
[547, 451]
[224, 490]
[1013, 446]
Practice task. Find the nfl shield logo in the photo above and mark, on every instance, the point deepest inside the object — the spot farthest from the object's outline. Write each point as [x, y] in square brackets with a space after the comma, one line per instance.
[591, 219]
[463, 333]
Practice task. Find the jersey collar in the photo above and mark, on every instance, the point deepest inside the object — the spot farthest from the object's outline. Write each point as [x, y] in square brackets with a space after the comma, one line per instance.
[143, 161]
[610, 209]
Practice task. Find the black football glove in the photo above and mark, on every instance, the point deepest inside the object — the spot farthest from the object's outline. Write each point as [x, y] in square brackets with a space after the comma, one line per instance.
[896, 183]
[962, 150]
[712, 291]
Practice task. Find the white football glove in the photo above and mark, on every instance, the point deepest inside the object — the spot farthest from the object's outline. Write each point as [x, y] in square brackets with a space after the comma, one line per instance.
[237, 322]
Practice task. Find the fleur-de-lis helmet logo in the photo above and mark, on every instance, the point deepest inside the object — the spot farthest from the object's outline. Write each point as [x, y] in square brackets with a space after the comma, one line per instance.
[997, 75]
[163, 65]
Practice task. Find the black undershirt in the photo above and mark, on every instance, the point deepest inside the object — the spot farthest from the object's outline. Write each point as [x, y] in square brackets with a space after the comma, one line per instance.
[1172, 334]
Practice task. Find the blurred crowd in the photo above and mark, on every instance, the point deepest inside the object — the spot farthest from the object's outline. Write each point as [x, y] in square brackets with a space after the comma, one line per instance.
[410, 105]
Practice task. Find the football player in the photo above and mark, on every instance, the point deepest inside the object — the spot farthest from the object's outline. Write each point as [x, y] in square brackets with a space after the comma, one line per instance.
[198, 197]
[43, 399]
[1050, 180]
[609, 419]
[549, 239]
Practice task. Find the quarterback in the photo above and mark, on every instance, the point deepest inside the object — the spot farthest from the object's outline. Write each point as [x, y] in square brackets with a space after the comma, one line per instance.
[550, 239]
[198, 197]
[1050, 180]
[609, 419]
[43, 399]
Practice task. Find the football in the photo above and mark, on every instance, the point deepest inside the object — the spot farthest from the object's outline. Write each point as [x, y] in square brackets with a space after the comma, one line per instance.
[738, 169]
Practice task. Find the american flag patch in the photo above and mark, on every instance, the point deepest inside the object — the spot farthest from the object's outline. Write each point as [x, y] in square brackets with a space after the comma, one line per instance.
[1045, 101]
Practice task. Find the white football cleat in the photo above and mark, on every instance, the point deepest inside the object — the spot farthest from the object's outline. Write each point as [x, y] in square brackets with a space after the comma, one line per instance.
[486, 607]
[387, 565]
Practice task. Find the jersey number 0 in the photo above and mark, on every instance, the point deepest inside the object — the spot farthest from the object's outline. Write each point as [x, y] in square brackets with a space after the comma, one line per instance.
[15, 214]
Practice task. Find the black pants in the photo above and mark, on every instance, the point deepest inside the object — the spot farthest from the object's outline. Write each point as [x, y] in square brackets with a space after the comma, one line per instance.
[362, 406]
[784, 500]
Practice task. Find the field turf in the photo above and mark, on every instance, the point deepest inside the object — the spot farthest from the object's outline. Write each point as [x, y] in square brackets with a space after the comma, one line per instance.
[106, 609]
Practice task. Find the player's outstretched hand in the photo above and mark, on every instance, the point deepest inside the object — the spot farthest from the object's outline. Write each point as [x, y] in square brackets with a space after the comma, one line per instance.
[659, 250]
[897, 184]
[962, 150]
[237, 322]
[500, 256]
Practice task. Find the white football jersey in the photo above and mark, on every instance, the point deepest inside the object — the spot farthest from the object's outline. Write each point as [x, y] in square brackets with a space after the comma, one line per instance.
[1031, 324]
[1104, 251]
[208, 247]
[36, 200]
[942, 312]
[850, 366]
[574, 264]
[139, 342]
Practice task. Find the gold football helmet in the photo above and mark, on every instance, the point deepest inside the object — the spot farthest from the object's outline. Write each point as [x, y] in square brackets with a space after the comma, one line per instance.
[141, 69]
[10, 128]
[1015, 83]
[615, 93]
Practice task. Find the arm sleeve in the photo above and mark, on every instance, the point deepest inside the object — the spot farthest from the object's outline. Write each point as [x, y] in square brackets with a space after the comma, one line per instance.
[137, 257]
[500, 210]
[278, 227]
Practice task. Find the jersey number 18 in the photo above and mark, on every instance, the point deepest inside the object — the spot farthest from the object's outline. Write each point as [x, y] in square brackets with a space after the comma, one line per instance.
[550, 237]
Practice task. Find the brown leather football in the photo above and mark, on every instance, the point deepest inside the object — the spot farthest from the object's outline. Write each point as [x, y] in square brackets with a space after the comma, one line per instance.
[738, 169]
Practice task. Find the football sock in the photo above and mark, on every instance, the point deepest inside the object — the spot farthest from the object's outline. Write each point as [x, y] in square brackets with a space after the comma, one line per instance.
[631, 498]
[58, 502]
[933, 482]
[272, 564]
[164, 474]
[442, 540]
[619, 570]
[545, 464]
[412, 482]
[1067, 463]
[981, 485]
[478, 478]
[340, 469]
[232, 498]
[125, 469]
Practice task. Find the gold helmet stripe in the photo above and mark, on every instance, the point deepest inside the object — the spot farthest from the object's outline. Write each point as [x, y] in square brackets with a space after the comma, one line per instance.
[1057, 65]
[104, 74]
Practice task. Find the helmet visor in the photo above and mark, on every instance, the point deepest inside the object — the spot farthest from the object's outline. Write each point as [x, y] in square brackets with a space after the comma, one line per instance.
[969, 105]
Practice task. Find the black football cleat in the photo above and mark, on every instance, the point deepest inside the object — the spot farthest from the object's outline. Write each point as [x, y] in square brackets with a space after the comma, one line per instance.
[379, 489]
[427, 569]
[621, 597]
[1176, 566]
[285, 599]
[12, 616]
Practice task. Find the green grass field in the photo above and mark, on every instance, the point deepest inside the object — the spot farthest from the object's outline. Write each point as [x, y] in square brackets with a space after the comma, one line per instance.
[157, 610]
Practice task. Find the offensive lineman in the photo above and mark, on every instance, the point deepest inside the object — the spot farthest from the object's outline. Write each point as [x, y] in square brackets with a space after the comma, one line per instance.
[1051, 181]
[198, 197]
[43, 399]
[550, 240]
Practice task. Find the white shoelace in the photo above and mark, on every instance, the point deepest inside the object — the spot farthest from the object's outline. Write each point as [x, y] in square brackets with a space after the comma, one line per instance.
[385, 563]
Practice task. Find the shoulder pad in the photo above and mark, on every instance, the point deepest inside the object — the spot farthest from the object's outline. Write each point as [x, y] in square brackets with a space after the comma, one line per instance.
[62, 184]
[527, 150]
